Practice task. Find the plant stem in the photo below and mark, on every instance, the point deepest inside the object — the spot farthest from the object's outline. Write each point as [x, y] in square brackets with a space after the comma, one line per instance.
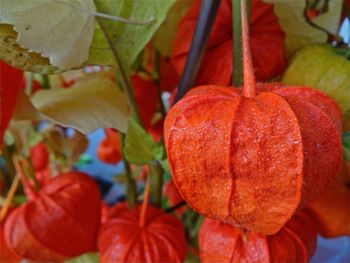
[26, 184]
[157, 82]
[29, 83]
[143, 213]
[9, 198]
[237, 62]
[175, 207]
[45, 82]
[10, 168]
[130, 191]
[128, 91]
[29, 171]
[331, 36]
[196, 226]
[123, 77]
[207, 14]
[248, 76]
[156, 175]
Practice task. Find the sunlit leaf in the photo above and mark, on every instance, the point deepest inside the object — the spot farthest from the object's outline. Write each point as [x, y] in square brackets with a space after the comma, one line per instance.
[59, 30]
[24, 109]
[92, 102]
[128, 39]
[19, 57]
[298, 32]
[165, 35]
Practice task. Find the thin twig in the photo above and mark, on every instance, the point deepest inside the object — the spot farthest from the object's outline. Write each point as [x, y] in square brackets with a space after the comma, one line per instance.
[202, 31]
[9, 198]
[124, 79]
[175, 207]
[330, 35]
[143, 213]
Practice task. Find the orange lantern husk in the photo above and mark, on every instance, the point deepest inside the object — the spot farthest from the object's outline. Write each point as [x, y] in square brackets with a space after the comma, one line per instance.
[68, 209]
[331, 209]
[253, 157]
[266, 39]
[142, 234]
[6, 253]
[220, 242]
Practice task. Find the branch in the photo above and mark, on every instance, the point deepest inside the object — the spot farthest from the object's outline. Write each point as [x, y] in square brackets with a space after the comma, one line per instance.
[207, 14]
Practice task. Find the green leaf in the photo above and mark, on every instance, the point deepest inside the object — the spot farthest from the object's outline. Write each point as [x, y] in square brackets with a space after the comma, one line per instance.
[165, 165]
[297, 31]
[86, 258]
[165, 35]
[346, 145]
[34, 137]
[129, 39]
[140, 148]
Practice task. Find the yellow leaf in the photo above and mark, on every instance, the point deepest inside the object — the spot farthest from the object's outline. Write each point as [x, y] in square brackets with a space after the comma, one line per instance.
[165, 35]
[92, 102]
[24, 109]
[60, 30]
[19, 57]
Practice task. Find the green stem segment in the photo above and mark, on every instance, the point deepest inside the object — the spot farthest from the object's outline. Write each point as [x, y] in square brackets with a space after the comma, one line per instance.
[127, 89]
[237, 43]
[157, 81]
[123, 77]
[156, 171]
[45, 81]
[237, 66]
[143, 213]
[131, 191]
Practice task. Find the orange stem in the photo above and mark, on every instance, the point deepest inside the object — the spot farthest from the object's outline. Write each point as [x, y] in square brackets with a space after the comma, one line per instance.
[24, 180]
[9, 198]
[248, 70]
[145, 204]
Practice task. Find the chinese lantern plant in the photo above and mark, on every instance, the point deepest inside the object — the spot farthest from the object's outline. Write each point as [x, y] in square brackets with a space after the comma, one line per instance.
[10, 82]
[267, 42]
[6, 253]
[109, 150]
[61, 220]
[252, 157]
[40, 157]
[173, 196]
[145, 91]
[142, 234]
[323, 67]
[220, 242]
[330, 210]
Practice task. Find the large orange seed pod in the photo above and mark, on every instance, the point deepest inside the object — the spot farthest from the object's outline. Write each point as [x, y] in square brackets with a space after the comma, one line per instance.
[220, 242]
[253, 157]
